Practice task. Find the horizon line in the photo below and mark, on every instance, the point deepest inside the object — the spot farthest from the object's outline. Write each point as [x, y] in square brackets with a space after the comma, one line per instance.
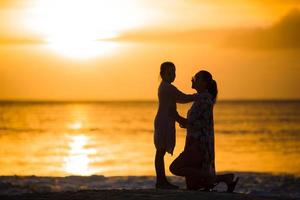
[133, 100]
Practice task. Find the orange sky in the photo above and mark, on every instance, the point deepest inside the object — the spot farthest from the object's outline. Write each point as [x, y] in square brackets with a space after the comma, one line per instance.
[111, 50]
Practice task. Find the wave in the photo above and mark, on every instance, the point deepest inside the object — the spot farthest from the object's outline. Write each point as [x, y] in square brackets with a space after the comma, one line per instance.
[12, 129]
[261, 184]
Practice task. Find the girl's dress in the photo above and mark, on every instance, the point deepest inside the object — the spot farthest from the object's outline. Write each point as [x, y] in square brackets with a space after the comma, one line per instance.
[164, 124]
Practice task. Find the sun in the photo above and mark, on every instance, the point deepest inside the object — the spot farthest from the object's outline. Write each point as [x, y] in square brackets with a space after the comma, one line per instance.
[81, 28]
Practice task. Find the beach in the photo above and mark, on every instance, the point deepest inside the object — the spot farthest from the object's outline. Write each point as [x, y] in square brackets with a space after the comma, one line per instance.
[111, 99]
[91, 150]
[250, 186]
[139, 194]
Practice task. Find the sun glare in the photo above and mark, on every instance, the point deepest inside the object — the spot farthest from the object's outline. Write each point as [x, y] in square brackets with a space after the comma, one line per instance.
[79, 28]
[75, 126]
[78, 159]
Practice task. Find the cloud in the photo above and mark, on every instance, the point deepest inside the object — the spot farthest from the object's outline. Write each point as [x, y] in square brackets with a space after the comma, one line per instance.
[285, 34]
[161, 36]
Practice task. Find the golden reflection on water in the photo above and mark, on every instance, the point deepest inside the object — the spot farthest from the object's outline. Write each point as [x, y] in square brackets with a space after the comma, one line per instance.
[131, 154]
[78, 160]
[118, 140]
[76, 125]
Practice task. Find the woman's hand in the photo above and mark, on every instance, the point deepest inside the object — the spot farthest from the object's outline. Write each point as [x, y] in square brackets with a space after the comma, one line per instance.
[183, 125]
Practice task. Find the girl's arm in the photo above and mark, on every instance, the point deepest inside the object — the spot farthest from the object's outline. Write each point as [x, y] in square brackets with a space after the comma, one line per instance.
[181, 97]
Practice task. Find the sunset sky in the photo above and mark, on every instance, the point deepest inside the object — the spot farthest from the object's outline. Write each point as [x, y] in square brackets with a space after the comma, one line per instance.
[112, 50]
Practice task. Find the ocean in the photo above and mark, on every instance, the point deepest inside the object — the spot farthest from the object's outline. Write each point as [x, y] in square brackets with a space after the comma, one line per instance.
[116, 138]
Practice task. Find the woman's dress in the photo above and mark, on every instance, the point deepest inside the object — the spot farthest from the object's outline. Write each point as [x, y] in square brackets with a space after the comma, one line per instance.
[201, 133]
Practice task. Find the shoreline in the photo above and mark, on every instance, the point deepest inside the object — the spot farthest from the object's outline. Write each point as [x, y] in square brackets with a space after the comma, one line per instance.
[282, 186]
[145, 194]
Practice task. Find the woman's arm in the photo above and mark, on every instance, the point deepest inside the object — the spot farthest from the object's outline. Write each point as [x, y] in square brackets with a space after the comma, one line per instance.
[183, 122]
[175, 115]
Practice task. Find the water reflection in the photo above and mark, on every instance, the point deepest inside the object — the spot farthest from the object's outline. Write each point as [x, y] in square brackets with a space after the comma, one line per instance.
[78, 160]
[75, 125]
[115, 139]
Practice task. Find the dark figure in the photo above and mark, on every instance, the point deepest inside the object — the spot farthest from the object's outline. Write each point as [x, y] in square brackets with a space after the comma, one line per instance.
[197, 162]
[164, 125]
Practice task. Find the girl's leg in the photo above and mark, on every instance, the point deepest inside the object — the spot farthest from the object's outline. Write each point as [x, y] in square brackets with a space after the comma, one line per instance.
[160, 167]
[161, 180]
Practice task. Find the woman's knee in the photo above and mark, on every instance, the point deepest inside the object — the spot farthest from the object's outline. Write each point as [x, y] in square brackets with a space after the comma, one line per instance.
[174, 168]
[177, 165]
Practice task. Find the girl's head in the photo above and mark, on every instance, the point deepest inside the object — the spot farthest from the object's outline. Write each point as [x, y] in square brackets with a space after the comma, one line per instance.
[167, 72]
[203, 81]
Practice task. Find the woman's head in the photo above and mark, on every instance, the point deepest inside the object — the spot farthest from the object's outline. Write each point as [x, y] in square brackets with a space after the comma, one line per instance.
[168, 72]
[203, 81]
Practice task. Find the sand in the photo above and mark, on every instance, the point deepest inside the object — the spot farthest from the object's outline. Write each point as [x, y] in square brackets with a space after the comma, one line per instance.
[251, 186]
[144, 194]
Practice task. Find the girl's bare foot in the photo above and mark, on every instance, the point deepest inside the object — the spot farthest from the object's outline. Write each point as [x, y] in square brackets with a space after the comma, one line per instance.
[166, 186]
[231, 186]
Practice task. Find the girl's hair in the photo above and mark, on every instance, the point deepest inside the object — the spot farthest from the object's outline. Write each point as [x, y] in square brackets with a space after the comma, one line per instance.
[211, 83]
[164, 67]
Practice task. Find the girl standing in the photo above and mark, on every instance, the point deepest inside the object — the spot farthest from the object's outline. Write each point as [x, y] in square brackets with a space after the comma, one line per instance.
[164, 125]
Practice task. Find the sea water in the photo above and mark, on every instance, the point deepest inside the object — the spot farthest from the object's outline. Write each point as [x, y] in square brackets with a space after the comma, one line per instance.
[116, 138]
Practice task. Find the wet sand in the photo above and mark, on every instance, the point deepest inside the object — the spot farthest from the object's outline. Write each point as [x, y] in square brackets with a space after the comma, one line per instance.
[251, 186]
[144, 194]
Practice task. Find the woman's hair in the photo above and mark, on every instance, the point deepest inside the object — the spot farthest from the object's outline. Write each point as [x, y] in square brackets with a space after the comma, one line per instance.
[211, 83]
[164, 67]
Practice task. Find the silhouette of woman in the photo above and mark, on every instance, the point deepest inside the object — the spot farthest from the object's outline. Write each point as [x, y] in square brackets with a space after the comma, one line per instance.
[197, 162]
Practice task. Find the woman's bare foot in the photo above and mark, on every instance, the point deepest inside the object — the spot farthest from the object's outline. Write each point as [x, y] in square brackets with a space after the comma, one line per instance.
[229, 180]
